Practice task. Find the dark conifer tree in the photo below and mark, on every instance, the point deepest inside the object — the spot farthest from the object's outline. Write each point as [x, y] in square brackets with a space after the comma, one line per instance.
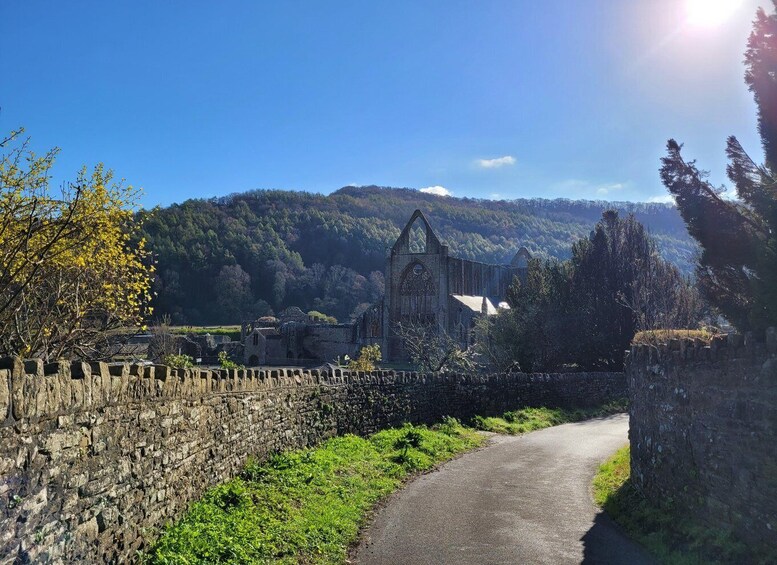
[584, 312]
[737, 267]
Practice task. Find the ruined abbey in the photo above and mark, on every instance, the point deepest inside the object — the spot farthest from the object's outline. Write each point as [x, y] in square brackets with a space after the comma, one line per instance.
[424, 285]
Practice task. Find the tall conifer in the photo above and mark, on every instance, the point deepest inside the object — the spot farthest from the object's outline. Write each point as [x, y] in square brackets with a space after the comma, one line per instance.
[737, 267]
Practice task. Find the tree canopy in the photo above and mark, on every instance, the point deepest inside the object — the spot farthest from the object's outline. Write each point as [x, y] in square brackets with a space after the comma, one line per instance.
[583, 312]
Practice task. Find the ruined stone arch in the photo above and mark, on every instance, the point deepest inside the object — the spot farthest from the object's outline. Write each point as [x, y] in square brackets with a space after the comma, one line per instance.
[417, 237]
[521, 259]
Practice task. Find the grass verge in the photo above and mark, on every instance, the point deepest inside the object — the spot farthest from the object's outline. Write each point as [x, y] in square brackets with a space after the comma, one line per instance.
[305, 506]
[664, 531]
[530, 419]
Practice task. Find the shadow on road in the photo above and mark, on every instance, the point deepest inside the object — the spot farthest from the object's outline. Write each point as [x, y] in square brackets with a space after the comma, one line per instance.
[605, 543]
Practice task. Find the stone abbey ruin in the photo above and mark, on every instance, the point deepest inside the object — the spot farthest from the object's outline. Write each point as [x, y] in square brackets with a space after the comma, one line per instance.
[424, 285]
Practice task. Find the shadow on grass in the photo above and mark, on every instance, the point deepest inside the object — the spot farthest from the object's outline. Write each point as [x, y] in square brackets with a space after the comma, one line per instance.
[606, 543]
[669, 533]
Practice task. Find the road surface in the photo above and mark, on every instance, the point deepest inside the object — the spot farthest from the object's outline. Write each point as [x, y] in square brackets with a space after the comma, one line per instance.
[522, 499]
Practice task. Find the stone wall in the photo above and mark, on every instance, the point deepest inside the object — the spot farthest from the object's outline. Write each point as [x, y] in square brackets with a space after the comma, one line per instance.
[703, 431]
[94, 458]
[328, 342]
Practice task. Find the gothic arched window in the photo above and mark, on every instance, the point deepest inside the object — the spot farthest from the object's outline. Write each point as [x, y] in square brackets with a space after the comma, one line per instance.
[416, 293]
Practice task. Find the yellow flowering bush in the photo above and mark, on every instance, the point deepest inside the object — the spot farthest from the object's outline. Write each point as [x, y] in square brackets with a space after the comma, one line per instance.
[72, 266]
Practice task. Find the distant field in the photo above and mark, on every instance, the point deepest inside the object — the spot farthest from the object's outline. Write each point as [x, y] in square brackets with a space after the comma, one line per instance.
[232, 331]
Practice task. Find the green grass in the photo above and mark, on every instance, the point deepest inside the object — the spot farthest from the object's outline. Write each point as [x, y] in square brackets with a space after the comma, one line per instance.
[232, 331]
[530, 419]
[305, 506]
[672, 537]
[611, 476]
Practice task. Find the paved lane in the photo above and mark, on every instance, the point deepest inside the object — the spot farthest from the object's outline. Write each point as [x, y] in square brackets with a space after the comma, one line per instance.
[524, 499]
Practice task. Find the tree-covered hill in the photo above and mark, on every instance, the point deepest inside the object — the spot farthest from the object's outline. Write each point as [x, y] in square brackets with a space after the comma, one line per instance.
[226, 259]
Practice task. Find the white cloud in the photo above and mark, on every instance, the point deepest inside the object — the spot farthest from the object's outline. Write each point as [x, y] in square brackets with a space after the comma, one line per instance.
[495, 196]
[606, 189]
[436, 190]
[496, 163]
[579, 188]
[662, 198]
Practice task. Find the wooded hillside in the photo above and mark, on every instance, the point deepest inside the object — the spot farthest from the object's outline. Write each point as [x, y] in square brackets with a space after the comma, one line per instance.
[225, 259]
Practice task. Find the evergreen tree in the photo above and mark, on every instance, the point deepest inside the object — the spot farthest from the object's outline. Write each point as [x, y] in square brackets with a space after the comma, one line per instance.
[621, 285]
[540, 318]
[737, 267]
[584, 312]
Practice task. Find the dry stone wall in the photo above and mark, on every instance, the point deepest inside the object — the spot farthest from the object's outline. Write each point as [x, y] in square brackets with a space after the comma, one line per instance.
[703, 431]
[94, 458]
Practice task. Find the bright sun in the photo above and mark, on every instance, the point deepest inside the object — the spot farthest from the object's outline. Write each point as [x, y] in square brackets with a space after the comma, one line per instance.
[710, 13]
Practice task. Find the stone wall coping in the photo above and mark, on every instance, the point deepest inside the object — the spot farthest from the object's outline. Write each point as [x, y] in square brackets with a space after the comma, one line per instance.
[725, 346]
[30, 388]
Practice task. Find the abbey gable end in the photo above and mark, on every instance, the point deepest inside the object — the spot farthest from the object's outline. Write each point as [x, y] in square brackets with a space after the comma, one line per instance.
[425, 285]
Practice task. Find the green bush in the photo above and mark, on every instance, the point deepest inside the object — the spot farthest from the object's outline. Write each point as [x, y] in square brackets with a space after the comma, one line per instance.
[321, 317]
[226, 363]
[369, 355]
[180, 361]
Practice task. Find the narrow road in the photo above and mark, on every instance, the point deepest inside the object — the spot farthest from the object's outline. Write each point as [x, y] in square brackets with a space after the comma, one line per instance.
[524, 499]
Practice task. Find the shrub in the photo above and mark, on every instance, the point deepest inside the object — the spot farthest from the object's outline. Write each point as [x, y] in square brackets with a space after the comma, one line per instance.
[369, 355]
[227, 363]
[321, 317]
[179, 360]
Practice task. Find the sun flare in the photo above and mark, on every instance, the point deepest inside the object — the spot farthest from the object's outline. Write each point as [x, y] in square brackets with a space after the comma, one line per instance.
[710, 13]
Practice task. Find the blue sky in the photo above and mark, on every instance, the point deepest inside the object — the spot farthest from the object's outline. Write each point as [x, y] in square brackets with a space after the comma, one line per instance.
[558, 98]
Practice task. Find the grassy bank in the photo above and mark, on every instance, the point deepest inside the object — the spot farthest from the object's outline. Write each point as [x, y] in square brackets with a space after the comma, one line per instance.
[530, 419]
[666, 533]
[305, 506]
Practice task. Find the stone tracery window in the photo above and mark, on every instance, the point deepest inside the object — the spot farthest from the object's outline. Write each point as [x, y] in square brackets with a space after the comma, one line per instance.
[417, 280]
[417, 294]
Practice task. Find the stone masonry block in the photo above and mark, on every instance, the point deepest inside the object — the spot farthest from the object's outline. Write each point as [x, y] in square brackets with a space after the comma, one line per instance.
[5, 394]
